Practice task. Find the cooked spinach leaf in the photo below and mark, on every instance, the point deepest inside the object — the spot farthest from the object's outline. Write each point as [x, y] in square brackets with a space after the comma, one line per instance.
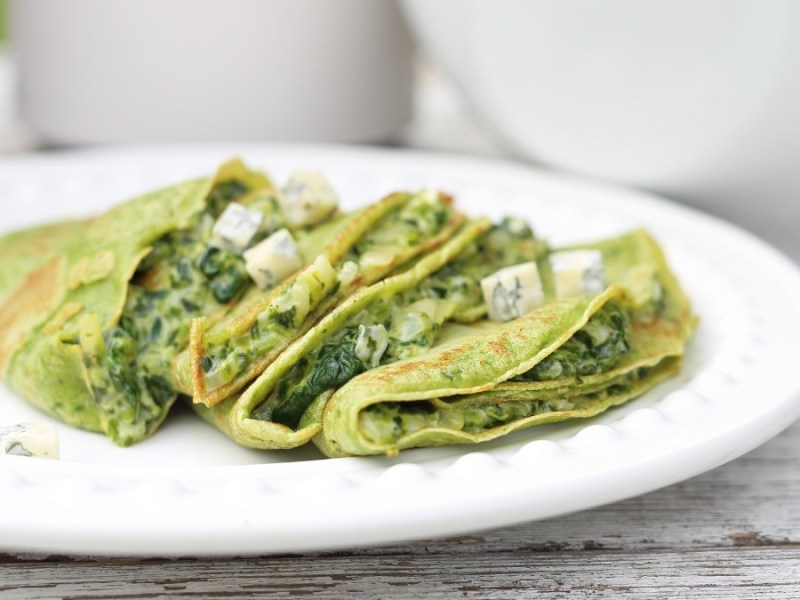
[284, 319]
[335, 365]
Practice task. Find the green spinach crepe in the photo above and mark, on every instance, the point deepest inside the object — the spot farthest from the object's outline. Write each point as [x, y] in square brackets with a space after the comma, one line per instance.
[396, 318]
[92, 311]
[572, 358]
[374, 242]
[96, 314]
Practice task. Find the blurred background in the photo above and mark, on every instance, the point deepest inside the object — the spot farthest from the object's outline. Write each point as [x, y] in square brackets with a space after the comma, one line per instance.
[694, 100]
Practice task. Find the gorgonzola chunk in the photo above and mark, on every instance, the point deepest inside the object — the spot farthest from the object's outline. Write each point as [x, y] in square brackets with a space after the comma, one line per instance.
[308, 198]
[29, 439]
[513, 291]
[272, 260]
[577, 272]
[235, 228]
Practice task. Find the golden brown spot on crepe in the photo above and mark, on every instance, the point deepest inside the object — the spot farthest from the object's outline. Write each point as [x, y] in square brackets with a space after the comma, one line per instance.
[520, 337]
[455, 352]
[400, 368]
[442, 359]
[39, 294]
[497, 346]
[545, 317]
[65, 313]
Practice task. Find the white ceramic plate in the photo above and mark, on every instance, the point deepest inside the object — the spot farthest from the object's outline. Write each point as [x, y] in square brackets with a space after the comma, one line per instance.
[190, 491]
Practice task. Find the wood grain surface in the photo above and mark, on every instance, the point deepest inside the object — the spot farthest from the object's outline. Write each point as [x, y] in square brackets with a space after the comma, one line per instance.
[731, 533]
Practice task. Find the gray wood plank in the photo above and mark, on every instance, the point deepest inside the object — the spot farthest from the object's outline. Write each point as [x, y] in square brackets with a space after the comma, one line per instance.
[765, 572]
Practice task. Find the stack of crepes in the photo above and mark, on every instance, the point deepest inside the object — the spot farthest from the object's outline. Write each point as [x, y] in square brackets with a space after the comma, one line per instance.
[285, 321]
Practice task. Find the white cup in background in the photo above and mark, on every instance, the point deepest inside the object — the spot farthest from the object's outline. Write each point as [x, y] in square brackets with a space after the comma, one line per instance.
[100, 71]
[698, 99]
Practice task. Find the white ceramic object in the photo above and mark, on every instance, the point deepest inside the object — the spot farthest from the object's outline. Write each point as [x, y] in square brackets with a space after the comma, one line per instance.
[697, 99]
[93, 71]
[190, 491]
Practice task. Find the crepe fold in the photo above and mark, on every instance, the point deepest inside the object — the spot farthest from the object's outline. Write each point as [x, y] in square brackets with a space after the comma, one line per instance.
[63, 283]
[550, 365]
[399, 316]
[365, 247]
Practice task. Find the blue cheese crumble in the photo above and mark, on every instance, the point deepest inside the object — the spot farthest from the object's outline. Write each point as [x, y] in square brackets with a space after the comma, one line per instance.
[235, 228]
[513, 291]
[272, 260]
[29, 439]
[309, 198]
[577, 272]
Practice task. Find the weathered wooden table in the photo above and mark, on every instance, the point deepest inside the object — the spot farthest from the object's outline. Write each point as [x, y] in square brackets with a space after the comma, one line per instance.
[731, 533]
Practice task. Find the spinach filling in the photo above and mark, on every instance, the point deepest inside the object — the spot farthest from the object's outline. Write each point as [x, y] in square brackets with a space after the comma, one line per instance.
[222, 362]
[399, 327]
[386, 423]
[595, 348]
[181, 278]
[333, 366]
[412, 224]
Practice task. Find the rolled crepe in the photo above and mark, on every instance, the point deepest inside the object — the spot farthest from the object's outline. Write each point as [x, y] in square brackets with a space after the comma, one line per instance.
[373, 243]
[398, 317]
[572, 358]
[75, 297]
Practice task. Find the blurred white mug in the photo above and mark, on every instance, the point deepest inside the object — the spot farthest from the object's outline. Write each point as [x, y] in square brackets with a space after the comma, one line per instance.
[95, 71]
[700, 99]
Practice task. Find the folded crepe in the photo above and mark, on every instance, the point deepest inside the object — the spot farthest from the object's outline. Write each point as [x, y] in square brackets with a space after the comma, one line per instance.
[396, 318]
[91, 311]
[374, 242]
[572, 358]
[95, 315]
